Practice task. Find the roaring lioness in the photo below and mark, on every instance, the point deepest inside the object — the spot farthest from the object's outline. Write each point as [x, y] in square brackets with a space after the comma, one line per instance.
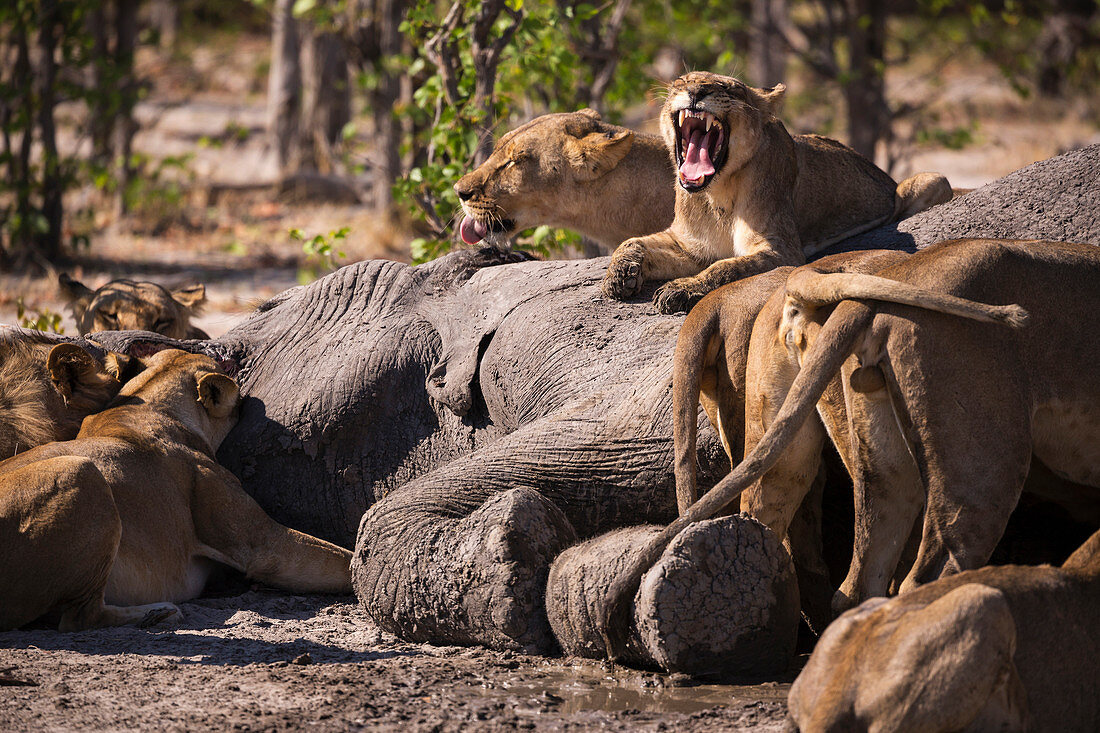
[128, 305]
[113, 527]
[915, 332]
[752, 198]
[570, 170]
[1000, 648]
[46, 390]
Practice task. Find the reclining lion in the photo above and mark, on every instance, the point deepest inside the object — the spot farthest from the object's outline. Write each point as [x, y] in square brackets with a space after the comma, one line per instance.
[570, 170]
[115, 526]
[1000, 648]
[46, 390]
[128, 305]
[752, 198]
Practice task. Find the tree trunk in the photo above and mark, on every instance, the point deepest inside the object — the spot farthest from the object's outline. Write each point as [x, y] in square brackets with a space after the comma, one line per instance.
[326, 101]
[284, 83]
[767, 48]
[124, 126]
[865, 90]
[388, 130]
[48, 242]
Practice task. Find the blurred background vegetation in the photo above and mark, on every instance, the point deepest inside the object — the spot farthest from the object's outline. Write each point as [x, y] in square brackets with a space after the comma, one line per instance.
[211, 128]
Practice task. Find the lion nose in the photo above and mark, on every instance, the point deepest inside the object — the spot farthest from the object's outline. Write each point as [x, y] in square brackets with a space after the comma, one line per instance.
[464, 192]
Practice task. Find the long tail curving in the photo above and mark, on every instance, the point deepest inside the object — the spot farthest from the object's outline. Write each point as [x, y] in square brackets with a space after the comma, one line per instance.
[818, 289]
[832, 346]
[687, 383]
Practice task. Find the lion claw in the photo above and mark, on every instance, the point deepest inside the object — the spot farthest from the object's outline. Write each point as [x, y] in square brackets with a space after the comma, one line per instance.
[672, 298]
[623, 280]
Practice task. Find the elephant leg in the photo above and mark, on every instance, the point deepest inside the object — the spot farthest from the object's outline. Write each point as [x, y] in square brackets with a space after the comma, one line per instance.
[722, 598]
[434, 565]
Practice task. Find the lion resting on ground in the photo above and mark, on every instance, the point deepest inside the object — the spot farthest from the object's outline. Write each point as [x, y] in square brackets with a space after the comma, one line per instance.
[929, 341]
[126, 305]
[46, 390]
[750, 197]
[574, 171]
[132, 515]
[1000, 648]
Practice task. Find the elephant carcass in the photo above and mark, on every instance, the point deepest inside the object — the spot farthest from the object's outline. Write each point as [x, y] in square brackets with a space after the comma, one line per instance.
[569, 410]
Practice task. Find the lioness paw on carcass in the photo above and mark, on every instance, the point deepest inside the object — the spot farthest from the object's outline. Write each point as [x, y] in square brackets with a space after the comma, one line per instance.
[131, 516]
[751, 197]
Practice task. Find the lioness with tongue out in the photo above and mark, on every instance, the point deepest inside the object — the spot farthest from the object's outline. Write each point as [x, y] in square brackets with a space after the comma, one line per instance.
[751, 197]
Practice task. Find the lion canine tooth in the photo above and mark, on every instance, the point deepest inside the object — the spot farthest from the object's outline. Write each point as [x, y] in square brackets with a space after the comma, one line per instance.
[710, 121]
[683, 114]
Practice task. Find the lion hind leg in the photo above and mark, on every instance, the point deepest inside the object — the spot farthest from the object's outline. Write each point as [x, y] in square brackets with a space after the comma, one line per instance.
[919, 192]
[94, 614]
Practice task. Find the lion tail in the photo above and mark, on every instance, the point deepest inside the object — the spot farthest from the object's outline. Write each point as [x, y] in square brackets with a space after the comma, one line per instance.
[692, 359]
[819, 289]
[824, 358]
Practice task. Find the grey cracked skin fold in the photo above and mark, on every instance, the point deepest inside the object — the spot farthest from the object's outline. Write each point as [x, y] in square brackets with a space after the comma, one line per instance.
[464, 421]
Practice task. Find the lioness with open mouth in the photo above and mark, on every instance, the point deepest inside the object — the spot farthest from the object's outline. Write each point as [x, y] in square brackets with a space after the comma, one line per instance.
[752, 198]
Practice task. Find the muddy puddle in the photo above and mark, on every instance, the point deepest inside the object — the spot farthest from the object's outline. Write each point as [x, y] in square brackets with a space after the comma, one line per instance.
[591, 687]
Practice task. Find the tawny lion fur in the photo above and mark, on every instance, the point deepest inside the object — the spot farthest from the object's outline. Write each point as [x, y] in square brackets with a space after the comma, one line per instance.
[575, 171]
[117, 525]
[772, 199]
[915, 330]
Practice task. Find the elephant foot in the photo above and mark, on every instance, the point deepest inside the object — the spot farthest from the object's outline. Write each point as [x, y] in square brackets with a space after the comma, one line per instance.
[478, 580]
[722, 599]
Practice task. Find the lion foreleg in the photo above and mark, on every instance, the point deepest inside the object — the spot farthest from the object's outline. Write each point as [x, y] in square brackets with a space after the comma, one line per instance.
[657, 256]
[238, 532]
[683, 293]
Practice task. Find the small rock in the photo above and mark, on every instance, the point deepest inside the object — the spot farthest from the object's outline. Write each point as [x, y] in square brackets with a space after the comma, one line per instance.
[303, 659]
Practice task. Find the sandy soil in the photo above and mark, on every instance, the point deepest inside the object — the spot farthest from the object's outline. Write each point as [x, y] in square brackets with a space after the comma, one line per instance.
[262, 660]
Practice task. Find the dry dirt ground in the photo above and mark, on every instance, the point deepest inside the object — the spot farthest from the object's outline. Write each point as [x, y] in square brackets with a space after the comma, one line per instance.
[262, 661]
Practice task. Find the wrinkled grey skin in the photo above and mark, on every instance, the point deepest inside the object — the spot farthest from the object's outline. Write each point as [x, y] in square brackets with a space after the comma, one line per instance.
[566, 420]
[722, 599]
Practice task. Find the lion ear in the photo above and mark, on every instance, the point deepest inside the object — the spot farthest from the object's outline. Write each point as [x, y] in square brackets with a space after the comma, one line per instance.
[589, 112]
[218, 394]
[595, 154]
[190, 296]
[122, 367]
[772, 97]
[70, 368]
[76, 293]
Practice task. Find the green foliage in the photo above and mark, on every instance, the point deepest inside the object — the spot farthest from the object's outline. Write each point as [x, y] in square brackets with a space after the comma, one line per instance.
[156, 192]
[324, 255]
[39, 320]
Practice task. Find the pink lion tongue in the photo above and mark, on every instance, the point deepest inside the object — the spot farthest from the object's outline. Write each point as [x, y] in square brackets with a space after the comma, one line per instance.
[697, 164]
[472, 230]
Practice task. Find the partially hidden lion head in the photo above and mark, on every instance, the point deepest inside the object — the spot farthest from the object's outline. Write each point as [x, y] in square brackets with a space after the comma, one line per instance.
[47, 389]
[127, 305]
[191, 388]
[535, 171]
[713, 124]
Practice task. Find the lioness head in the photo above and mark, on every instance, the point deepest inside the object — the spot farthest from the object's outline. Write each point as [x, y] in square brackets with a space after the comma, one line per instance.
[126, 305]
[533, 170]
[47, 389]
[189, 387]
[713, 124]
